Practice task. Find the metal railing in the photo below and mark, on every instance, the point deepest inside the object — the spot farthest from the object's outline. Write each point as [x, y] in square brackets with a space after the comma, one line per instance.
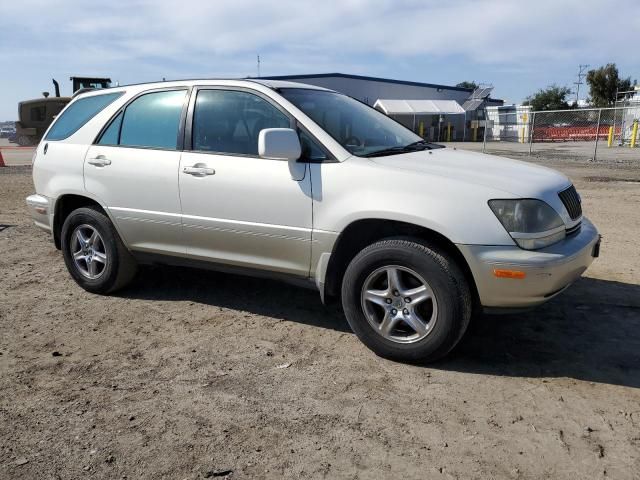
[605, 134]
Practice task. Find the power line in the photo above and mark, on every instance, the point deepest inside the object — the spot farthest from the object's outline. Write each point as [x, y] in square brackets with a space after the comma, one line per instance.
[581, 75]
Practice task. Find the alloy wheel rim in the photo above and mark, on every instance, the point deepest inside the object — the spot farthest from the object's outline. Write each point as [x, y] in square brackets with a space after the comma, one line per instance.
[399, 304]
[88, 252]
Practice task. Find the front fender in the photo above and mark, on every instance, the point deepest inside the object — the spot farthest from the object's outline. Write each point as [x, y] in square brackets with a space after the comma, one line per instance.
[354, 190]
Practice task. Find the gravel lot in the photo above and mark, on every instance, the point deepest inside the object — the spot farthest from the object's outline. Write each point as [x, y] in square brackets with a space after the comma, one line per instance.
[191, 374]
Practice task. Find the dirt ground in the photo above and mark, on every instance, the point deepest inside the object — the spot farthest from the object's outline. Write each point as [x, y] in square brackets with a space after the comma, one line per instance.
[190, 374]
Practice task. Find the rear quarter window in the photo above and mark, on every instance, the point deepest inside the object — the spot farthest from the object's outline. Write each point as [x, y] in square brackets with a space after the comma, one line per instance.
[79, 113]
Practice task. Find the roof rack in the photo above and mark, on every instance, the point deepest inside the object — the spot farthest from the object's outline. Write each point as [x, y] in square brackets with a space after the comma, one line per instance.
[80, 91]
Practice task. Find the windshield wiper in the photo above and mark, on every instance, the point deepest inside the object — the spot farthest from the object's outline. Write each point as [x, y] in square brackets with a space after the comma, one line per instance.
[419, 143]
[425, 144]
[412, 147]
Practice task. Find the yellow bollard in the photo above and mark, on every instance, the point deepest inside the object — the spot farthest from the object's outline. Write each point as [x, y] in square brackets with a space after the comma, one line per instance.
[610, 137]
[475, 134]
[421, 129]
[522, 135]
[449, 132]
[634, 133]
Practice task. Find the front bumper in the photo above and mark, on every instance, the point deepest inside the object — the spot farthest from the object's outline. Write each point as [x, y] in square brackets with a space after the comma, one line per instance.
[41, 211]
[548, 271]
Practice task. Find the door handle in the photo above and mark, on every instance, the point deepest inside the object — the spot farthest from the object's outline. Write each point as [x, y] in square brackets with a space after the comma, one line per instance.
[99, 161]
[198, 170]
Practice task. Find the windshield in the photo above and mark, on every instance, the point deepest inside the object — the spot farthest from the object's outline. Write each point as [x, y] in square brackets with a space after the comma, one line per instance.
[360, 129]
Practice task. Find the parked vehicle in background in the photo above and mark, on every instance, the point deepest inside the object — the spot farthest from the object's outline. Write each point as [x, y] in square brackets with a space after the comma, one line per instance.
[303, 183]
[35, 116]
[6, 131]
[89, 83]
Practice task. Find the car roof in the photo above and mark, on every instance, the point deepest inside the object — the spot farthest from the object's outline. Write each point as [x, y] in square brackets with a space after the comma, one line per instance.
[237, 82]
[286, 84]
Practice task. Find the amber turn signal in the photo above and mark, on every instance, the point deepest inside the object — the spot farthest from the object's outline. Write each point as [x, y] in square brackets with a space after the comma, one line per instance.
[517, 274]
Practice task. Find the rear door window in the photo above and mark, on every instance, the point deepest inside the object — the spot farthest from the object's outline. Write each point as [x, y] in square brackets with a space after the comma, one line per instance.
[152, 121]
[79, 113]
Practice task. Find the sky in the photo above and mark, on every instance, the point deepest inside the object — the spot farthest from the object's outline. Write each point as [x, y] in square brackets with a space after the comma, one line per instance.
[518, 46]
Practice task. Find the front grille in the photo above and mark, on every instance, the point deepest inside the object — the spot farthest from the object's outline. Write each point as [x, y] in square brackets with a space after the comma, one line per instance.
[572, 202]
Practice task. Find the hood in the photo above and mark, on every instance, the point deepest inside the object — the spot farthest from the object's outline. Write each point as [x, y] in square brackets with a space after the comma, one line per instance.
[521, 179]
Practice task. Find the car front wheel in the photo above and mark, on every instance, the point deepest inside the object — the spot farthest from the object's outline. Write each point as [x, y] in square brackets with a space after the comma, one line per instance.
[406, 300]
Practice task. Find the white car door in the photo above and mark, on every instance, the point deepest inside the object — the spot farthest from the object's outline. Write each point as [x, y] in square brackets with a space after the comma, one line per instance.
[133, 170]
[238, 208]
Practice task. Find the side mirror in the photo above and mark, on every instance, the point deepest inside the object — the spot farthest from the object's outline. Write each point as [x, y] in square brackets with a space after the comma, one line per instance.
[279, 144]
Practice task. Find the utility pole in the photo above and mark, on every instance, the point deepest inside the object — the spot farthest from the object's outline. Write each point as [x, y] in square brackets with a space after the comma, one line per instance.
[258, 66]
[581, 75]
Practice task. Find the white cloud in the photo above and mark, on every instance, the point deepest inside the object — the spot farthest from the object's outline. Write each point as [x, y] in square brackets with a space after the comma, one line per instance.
[484, 31]
[145, 39]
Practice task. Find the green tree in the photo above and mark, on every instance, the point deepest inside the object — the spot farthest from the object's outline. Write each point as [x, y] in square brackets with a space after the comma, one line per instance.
[551, 98]
[471, 85]
[604, 82]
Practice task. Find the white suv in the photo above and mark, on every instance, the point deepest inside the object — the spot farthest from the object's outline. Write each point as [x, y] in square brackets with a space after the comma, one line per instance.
[303, 183]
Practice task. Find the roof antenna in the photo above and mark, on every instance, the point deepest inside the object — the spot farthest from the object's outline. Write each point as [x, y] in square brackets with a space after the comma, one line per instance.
[258, 66]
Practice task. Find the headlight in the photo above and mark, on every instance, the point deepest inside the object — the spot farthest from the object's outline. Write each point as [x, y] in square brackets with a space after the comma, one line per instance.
[533, 224]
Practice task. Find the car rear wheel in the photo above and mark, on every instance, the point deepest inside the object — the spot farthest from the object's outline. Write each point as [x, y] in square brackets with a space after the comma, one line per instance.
[94, 253]
[406, 300]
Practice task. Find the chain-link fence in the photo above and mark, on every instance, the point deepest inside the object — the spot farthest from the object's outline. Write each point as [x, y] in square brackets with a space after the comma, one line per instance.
[603, 134]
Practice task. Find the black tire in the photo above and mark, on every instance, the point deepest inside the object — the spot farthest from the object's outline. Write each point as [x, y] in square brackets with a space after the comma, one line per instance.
[121, 267]
[25, 141]
[446, 280]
